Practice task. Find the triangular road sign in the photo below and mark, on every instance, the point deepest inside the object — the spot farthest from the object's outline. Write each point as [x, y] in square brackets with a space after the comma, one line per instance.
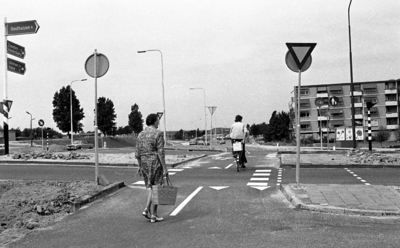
[300, 52]
[219, 187]
[260, 188]
[160, 114]
[8, 103]
[212, 109]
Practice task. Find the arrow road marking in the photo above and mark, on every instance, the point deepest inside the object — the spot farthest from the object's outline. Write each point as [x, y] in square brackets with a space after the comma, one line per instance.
[260, 188]
[219, 187]
[186, 201]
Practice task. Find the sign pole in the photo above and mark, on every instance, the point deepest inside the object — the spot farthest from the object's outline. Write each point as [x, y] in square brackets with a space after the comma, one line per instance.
[5, 115]
[42, 140]
[298, 132]
[320, 127]
[96, 142]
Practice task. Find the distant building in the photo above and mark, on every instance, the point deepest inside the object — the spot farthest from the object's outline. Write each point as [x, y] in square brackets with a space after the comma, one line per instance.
[385, 112]
[11, 135]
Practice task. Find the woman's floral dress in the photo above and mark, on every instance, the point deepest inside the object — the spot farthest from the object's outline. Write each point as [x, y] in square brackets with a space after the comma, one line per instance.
[149, 144]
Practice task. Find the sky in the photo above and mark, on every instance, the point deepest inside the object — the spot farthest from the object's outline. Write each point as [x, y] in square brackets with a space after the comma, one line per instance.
[234, 50]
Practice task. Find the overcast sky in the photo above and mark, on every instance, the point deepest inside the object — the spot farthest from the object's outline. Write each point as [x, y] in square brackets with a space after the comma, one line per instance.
[233, 49]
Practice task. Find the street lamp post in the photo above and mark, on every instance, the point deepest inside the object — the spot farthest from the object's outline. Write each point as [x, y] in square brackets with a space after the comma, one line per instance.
[70, 97]
[205, 112]
[31, 125]
[163, 92]
[351, 84]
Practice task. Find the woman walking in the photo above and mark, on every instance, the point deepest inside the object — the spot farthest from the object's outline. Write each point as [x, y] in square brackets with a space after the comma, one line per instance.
[151, 158]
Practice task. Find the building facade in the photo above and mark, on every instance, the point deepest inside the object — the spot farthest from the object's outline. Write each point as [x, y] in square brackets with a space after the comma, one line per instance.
[383, 94]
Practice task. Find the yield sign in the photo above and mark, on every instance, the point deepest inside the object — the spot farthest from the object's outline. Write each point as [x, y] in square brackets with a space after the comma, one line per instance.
[160, 114]
[212, 109]
[300, 52]
[8, 103]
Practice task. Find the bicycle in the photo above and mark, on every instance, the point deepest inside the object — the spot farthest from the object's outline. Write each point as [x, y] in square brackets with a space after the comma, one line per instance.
[237, 149]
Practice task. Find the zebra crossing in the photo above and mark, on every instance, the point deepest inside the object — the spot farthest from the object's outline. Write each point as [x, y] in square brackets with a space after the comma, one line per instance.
[260, 179]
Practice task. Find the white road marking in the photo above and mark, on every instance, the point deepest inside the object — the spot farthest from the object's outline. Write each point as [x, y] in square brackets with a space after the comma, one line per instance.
[259, 179]
[260, 188]
[177, 170]
[171, 173]
[219, 187]
[261, 174]
[228, 166]
[263, 170]
[363, 181]
[138, 183]
[257, 184]
[214, 168]
[186, 201]
[367, 184]
[271, 155]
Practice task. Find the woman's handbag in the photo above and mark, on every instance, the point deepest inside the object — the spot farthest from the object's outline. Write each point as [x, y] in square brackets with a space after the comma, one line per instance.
[165, 194]
[237, 146]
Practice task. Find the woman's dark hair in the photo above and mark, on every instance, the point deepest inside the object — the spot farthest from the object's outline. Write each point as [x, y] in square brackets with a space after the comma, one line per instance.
[238, 118]
[151, 119]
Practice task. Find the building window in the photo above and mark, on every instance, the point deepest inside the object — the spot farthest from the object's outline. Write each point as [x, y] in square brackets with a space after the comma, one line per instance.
[304, 92]
[323, 112]
[335, 90]
[390, 98]
[304, 126]
[357, 87]
[391, 121]
[391, 109]
[370, 88]
[357, 99]
[304, 114]
[390, 86]
[322, 90]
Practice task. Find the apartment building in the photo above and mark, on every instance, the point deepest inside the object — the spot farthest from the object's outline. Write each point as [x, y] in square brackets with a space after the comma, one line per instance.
[385, 112]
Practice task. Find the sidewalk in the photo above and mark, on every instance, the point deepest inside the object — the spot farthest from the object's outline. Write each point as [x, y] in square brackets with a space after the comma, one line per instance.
[369, 200]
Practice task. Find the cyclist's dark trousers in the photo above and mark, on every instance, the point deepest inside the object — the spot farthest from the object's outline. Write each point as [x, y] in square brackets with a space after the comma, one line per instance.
[242, 154]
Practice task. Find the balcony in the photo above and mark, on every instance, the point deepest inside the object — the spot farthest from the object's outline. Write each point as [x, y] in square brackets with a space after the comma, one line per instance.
[322, 118]
[324, 129]
[322, 94]
[392, 126]
[391, 91]
[358, 116]
[358, 105]
[357, 93]
[392, 115]
[391, 103]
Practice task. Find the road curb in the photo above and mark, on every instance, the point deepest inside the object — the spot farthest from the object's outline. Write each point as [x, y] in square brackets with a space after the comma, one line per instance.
[104, 192]
[299, 205]
[186, 161]
[340, 166]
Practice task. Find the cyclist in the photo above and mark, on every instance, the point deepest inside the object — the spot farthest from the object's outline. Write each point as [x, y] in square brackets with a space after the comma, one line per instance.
[239, 133]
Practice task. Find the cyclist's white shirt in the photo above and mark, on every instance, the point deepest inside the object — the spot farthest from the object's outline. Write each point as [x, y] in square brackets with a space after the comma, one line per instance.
[238, 130]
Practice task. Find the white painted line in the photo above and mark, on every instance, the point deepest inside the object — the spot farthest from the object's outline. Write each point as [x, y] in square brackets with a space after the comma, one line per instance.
[259, 179]
[228, 166]
[261, 174]
[257, 184]
[367, 184]
[171, 173]
[355, 175]
[178, 170]
[263, 170]
[219, 187]
[214, 168]
[279, 177]
[359, 178]
[186, 201]
[363, 181]
[138, 183]
[260, 188]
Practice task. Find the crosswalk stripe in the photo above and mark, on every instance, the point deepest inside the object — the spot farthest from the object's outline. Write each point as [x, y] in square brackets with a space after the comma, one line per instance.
[177, 170]
[259, 179]
[261, 174]
[171, 173]
[257, 184]
[228, 166]
[263, 170]
[139, 183]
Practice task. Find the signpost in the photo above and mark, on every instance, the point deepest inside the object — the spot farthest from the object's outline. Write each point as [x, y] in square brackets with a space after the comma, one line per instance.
[96, 66]
[14, 28]
[369, 106]
[41, 123]
[319, 102]
[15, 50]
[211, 109]
[298, 59]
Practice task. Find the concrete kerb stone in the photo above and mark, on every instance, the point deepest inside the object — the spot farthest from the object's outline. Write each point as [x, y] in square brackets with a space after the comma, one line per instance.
[299, 205]
[187, 161]
[104, 192]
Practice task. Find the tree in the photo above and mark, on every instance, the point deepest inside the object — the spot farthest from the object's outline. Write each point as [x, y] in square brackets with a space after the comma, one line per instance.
[105, 116]
[179, 134]
[135, 120]
[62, 111]
[382, 135]
[278, 127]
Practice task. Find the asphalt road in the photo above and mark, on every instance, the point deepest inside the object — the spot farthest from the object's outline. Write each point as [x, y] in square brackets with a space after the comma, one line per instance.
[216, 207]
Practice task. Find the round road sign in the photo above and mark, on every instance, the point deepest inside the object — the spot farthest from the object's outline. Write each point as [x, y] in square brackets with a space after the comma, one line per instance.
[333, 101]
[102, 65]
[41, 122]
[319, 102]
[292, 64]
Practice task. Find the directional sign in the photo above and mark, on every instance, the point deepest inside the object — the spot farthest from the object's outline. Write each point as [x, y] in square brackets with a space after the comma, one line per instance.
[15, 49]
[333, 101]
[41, 122]
[300, 52]
[16, 66]
[19, 28]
